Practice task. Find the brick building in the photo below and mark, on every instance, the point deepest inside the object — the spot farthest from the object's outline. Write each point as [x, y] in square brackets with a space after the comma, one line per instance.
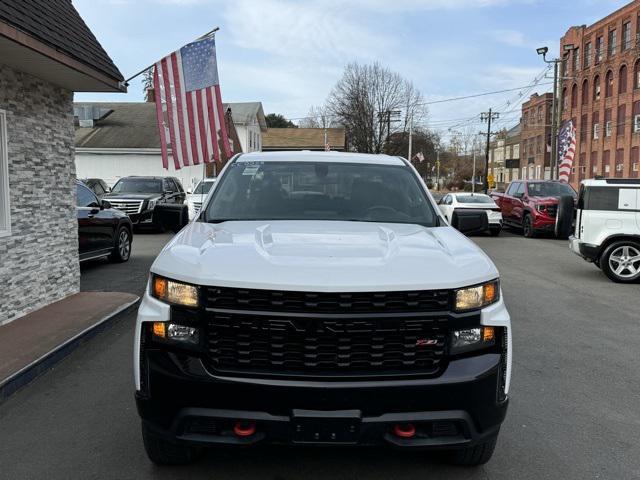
[601, 94]
[535, 137]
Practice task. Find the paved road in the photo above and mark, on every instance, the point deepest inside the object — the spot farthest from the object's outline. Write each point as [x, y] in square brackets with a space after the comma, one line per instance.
[574, 414]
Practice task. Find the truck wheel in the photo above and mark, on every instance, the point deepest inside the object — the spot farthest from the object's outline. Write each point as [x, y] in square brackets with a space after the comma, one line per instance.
[621, 261]
[527, 227]
[122, 248]
[564, 217]
[163, 452]
[474, 456]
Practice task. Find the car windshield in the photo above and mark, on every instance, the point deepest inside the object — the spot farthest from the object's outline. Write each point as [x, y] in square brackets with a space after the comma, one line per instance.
[474, 199]
[138, 185]
[550, 189]
[320, 191]
[203, 188]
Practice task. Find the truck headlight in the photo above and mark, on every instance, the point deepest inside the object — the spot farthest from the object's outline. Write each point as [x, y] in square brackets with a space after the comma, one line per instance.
[477, 297]
[472, 339]
[173, 292]
[152, 203]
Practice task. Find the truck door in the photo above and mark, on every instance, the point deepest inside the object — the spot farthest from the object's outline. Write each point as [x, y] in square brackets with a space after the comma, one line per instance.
[517, 205]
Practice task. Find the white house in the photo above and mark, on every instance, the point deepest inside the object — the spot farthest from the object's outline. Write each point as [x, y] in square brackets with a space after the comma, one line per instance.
[115, 140]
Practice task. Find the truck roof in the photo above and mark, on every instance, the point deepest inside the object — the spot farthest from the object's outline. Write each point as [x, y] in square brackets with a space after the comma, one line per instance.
[308, 156]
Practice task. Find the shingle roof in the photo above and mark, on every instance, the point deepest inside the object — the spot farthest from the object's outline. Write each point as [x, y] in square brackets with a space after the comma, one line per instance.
[58, 24]
[128, 125]
[302, 138]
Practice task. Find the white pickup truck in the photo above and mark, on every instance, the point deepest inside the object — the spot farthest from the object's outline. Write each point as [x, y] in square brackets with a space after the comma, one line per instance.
[321, 298]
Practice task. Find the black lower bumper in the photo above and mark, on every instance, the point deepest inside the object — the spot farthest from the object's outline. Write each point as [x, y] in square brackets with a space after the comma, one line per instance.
[459, 408]
[142, 218]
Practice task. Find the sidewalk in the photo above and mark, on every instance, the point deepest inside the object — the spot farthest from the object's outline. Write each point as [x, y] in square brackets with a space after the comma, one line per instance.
[31, 345]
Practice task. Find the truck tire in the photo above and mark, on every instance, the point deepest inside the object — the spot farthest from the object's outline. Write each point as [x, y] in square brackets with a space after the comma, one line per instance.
[620, 261]
[564, 217]
[163, 452]
[474, 456]
[122, 246]
[527, 226]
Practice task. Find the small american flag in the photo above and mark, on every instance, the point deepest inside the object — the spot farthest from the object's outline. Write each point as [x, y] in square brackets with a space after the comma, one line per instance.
[566, 150]
[189, 106]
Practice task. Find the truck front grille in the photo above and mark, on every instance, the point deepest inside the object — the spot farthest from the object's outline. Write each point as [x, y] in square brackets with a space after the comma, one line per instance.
[196, 207]
[127, 206]
[552, 210]
[322, 302]
[303, 334]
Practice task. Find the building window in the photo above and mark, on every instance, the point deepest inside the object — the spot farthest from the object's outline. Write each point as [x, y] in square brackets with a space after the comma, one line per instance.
[608, 124]
[622, 112]
[599, 50]
[564, 98]
[622, 81]
[574, 96]
[636, 75]
[596, 88]
[626, 36]
[596, 125]
[584, 127]
[576, 59]
[5, 218]
[587, 55]
[608, 84]
[540, 116]
[613, 42]
[585, 92]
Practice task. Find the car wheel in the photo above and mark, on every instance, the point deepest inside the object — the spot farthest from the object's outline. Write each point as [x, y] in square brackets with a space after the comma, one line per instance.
[122, 248]
[621, 261]
[474, 456]
[164, 452]
[564, 217]
[527, 227]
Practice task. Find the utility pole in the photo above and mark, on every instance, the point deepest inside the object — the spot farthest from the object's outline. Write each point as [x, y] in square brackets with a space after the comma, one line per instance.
[410, 137]
[488, 117]
[473, 175]
[553, 164]
[438, 169]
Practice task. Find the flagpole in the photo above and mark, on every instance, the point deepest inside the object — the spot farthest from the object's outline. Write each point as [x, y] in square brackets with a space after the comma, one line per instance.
[126, 82]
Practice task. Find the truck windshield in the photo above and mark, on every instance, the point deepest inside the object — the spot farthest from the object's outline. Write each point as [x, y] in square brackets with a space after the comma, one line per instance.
[550, 189]
[320, 191]
[137, 185]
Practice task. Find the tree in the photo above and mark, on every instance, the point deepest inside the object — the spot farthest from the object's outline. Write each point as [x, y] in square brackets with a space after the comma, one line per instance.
[366, 99]
[319, 117]
[275, 120]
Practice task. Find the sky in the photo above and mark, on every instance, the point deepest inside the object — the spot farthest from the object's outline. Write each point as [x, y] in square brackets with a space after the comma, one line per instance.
[288, 54]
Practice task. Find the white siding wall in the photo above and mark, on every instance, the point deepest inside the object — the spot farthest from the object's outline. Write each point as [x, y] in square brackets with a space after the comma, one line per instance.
[245, 133]
[112, 166]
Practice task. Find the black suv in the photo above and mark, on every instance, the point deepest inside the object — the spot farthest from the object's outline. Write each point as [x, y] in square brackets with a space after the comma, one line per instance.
[102, 230]
[97, 186]
[139, 196]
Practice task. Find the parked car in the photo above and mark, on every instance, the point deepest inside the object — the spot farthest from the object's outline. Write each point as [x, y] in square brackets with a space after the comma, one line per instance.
[533, 206]
[607, 230]
[97, 186]
[139, 196]
[102, 230]
[453, 202]
[195, 199]
[322, 299]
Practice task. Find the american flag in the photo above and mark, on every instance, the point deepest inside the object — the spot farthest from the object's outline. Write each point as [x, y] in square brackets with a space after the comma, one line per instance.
[189, 106]
[566, 149]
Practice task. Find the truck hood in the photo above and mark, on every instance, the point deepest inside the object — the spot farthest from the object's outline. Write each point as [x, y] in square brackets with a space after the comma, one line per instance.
[324, 256]
[132, 196]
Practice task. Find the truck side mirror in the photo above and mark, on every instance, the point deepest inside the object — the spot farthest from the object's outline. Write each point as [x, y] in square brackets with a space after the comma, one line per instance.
[470, 221]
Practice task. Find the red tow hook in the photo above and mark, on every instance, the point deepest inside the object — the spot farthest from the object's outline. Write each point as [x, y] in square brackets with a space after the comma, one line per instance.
[244, 428]
[404, 430]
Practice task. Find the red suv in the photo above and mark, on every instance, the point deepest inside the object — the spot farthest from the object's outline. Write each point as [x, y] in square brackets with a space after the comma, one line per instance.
[533, 204]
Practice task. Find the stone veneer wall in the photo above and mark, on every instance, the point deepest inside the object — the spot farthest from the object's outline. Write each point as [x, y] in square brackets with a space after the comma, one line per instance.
[39, 260]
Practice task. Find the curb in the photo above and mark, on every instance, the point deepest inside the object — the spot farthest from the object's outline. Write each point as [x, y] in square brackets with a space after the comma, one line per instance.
[46, 362]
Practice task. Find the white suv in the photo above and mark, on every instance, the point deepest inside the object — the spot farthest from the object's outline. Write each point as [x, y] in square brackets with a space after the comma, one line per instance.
[607, 228]
[321, 298]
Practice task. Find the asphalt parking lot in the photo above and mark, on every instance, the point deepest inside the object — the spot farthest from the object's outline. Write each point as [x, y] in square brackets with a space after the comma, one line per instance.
[574, 410]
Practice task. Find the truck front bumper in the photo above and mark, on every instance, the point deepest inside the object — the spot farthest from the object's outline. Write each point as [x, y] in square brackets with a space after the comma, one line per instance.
[460, 408]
